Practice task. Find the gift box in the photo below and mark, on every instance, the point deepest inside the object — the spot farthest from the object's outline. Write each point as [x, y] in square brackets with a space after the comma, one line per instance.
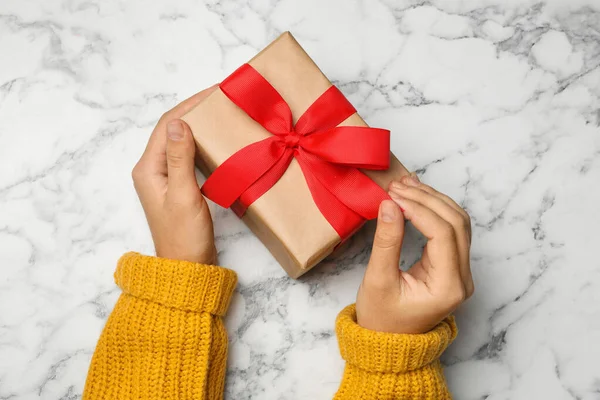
[282, 147]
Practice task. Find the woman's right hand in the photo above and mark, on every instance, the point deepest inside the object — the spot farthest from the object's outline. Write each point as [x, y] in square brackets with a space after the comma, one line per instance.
[390, 300]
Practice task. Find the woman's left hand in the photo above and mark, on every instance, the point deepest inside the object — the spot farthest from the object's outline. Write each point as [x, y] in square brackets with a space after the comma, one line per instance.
[165, 181]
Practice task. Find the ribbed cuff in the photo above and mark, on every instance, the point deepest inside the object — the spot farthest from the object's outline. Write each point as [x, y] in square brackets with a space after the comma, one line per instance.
[179, 284]
[390, 352]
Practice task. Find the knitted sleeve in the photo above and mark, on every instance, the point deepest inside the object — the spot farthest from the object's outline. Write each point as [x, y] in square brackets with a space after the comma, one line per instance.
[386, 366]
[165, 338]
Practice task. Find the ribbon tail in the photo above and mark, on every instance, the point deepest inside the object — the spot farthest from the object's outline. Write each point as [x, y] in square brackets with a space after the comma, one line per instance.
[340, 217]
[350, 186]
[232, 178]
[263, 184]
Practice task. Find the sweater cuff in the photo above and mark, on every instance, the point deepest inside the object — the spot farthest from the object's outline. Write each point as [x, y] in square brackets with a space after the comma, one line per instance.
[178, 284]
[390, 352]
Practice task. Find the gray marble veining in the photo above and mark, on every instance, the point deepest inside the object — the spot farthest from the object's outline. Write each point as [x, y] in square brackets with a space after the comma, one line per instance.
[495, 102]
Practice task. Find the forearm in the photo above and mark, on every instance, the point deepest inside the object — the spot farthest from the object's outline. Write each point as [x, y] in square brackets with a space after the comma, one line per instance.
[165, 337]
[392, 366]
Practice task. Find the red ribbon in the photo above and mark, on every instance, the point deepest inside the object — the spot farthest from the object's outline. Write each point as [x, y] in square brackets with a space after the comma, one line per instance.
[329, 155]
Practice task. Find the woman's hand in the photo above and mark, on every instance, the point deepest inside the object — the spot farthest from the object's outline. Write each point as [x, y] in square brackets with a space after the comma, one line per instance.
[165, 181]
[415, 301]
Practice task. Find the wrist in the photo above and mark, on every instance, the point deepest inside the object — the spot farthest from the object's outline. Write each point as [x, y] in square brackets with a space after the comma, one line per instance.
[385, 325]
[392, 315]
[206, 255]
[380, 319]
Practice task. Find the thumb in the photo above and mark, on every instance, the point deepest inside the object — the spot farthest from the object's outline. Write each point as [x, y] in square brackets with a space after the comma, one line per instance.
[387, 243]
[180, 157]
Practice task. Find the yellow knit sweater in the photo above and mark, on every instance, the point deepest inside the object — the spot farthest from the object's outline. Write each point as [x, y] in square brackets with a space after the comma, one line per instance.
[165, 339]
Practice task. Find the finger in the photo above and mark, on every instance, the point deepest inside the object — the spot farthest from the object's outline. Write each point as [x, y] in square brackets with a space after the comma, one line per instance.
[180, 160]
[441, 235]
[153, 162]
[439, 206]
[416, 193]
[385, 257]
[158, 140]
[413, 180]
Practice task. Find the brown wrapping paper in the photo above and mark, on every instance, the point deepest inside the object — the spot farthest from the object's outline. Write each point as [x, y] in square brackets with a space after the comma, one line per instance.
[285, 218]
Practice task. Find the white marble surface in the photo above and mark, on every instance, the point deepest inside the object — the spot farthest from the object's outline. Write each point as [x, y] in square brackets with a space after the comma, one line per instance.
[495, 102]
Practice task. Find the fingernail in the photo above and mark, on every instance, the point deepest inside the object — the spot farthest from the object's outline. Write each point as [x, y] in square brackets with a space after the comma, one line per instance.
[414, 175]
[411, 180]
[398, 185]
[175, 130]
[388, 212]
[397, 199]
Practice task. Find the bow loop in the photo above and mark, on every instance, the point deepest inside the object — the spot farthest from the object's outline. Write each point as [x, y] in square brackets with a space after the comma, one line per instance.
[352, 146]
[328, 111]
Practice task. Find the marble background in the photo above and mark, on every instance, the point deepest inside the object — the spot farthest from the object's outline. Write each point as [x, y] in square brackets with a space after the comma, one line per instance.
[495, 102]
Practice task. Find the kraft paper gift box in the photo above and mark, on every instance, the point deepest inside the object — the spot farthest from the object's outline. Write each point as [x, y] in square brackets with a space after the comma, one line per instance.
[285, 218]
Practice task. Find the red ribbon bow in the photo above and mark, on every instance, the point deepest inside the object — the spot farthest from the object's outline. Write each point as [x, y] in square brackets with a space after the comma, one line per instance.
[329, 155]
